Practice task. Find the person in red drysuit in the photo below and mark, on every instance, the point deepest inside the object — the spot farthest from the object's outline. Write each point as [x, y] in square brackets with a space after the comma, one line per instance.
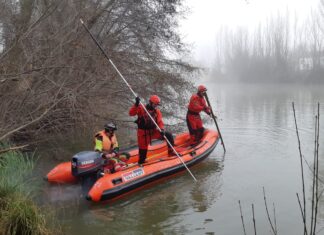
[196, 105]
[147, 130]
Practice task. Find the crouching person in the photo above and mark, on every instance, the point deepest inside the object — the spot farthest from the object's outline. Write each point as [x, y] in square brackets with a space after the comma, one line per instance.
[106, 143]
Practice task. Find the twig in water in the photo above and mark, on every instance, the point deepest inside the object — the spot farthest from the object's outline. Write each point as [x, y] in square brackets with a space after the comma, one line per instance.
[254, 220]
[302, 171]
[242, 217]
[314, 180]
[274, 217]
[311, 170]
[266, 206]
[316, 154]
[303, 216]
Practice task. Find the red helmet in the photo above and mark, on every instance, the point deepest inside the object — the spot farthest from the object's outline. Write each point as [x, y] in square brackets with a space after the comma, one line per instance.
[202, 88]
[154, 99]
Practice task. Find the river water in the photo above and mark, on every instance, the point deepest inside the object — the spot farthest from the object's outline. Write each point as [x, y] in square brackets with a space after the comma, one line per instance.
[257, 126]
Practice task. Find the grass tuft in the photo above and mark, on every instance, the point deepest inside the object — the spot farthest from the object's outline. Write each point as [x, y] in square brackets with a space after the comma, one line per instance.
[18, 212]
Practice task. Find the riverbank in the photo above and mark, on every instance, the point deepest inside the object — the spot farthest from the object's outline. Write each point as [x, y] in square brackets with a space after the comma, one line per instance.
[19, 214]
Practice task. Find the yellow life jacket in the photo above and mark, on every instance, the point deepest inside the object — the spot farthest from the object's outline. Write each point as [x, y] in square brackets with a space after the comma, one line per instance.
[107, 143]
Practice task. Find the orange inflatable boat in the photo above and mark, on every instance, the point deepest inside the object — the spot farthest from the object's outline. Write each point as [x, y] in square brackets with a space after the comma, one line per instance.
[88, 166]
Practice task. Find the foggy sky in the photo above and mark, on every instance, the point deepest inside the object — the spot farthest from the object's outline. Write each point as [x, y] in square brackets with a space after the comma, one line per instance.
[200, 27]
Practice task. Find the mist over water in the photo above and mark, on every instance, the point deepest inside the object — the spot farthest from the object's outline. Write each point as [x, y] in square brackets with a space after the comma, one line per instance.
[258, 129]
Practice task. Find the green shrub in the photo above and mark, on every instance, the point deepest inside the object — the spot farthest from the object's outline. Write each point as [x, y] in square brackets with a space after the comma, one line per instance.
[18, 213]
[22, 216]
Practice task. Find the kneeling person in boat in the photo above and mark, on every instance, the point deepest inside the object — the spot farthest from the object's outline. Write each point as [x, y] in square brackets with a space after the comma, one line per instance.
[106, 142]
[147, 129]
[196, 105]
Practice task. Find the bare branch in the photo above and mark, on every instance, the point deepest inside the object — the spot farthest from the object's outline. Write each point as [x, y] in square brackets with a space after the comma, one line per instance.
[13, 148]
[242, 217]
[269, 219]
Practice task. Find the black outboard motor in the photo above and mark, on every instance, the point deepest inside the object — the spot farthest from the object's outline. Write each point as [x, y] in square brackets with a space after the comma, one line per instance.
[86, 163]
[87, 166]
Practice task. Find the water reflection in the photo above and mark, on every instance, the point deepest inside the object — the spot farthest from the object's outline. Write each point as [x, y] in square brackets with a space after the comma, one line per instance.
[206, 193]
[57, 194]
[157, 209]
[258, 123]
[258, 128]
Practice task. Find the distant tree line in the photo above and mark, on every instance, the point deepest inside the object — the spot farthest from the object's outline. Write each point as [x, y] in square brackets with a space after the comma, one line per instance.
[53, 77]
[283, 49]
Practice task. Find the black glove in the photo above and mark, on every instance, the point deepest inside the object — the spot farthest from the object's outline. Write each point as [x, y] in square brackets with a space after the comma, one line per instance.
[103, 155]
[137, 101]
[162, 132]
[208, 110]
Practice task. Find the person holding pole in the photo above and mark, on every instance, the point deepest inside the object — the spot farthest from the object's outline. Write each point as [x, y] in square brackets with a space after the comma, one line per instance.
[196, 105]
[170, 145]
[147, 129]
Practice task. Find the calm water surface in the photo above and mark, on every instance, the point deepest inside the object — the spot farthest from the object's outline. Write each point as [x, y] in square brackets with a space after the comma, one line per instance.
[258, 129]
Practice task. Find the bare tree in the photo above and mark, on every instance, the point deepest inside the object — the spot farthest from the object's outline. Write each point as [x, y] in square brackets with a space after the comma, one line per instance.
[274, 50]
[53, 78]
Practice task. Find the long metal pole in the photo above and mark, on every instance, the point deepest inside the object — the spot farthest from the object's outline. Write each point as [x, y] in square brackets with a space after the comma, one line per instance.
[166, 139]
[213, 116]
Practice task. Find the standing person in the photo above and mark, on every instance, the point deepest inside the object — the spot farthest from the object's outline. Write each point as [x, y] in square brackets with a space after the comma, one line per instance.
[196, 105]
[106, 142]
[147, 130]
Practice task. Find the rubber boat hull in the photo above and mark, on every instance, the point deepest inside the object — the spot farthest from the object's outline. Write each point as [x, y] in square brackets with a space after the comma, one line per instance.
[159, 166]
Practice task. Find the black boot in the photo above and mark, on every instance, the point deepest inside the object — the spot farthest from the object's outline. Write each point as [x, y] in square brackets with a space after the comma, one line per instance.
[200, 134]
[171, 152]
[169, 136]
[142, 155]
